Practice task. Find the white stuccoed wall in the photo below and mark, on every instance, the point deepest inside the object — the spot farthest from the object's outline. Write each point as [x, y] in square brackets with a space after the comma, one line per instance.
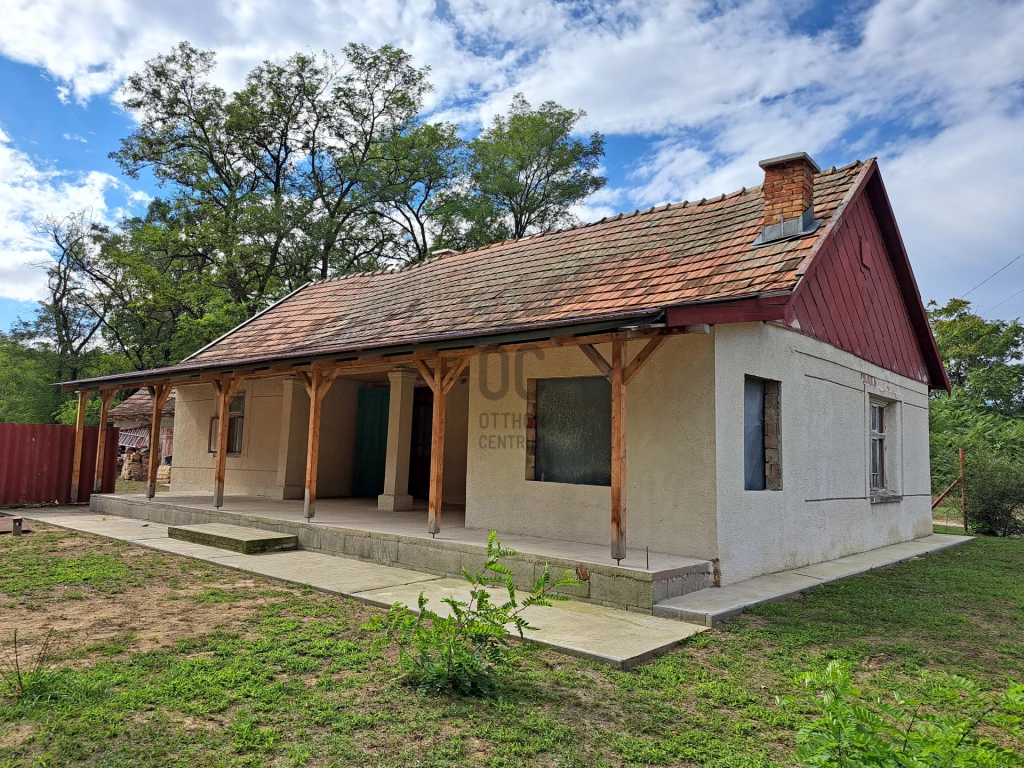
[274, 440]
[823, 511]
[670, 450]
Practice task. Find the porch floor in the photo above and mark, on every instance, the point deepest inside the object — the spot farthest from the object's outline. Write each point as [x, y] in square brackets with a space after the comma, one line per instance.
[363, 515]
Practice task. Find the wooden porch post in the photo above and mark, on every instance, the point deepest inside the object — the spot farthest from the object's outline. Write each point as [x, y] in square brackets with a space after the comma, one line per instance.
[440, 381]
[618, 537]
[620, 375]
[317, 384]
[106, 395]
[437, 426]
[76, 467]
[158, 393]
[226, 389]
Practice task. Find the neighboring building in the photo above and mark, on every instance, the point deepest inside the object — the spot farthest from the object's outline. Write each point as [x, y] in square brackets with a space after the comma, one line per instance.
[134, 418]
[772, 342]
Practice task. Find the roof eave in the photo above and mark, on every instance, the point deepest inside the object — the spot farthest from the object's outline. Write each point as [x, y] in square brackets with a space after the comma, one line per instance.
[180, 374]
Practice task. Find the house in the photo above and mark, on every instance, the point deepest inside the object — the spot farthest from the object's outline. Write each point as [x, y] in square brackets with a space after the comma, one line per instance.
[133, 417]
[739, 383]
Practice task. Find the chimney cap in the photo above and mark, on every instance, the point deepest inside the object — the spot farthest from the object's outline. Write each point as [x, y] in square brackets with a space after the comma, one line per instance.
[766, 164]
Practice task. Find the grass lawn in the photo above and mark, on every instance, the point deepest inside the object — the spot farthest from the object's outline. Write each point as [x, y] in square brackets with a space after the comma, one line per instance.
[174, 662]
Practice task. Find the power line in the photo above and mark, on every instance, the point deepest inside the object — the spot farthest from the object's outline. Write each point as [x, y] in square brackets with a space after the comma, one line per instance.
[991, 276]
[997, 306]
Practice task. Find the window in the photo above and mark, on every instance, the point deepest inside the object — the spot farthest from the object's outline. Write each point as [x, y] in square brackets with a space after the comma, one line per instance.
[236, 422]
[878, 480]
[762, 461]
[569, 430]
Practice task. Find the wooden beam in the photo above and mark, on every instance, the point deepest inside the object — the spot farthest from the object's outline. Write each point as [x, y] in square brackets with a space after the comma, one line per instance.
[106, 395]
[226, 389]
[320, 382]
[618, 518]
[641, 359]
[427, 374]
[437, 448]
[455, 372]
[76, 467]
[158, 393]
[597, 359]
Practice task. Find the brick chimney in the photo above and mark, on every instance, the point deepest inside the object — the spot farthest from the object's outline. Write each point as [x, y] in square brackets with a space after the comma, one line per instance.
[788, 197]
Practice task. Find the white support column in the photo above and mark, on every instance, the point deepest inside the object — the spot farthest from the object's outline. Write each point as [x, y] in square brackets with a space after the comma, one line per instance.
[396, 469]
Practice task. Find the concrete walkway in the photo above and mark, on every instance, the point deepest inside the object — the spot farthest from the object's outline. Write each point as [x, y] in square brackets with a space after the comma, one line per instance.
[711, 607]
[621, 638]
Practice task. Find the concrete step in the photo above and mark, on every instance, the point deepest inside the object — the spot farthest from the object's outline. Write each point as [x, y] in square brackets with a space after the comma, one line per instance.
[713, 605]
[248, 541]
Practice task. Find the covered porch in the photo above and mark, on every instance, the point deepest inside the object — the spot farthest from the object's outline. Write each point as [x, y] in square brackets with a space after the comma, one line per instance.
[352, 527]
[398, 377]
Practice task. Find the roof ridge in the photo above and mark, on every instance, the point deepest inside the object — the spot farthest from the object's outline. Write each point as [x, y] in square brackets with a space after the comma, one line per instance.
[583, 225]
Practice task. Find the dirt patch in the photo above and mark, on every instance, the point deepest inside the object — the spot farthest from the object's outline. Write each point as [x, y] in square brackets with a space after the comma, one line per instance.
[13, 736]
[165, 599]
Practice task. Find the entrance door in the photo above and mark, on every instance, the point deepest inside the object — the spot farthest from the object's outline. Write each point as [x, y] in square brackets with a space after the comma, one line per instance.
[419, 454]
[371, 442]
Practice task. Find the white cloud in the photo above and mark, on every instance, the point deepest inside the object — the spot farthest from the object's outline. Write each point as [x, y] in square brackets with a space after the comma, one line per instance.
[63, 94]
[29, 193]
[75, 137]
[713, 86]
[957, 198]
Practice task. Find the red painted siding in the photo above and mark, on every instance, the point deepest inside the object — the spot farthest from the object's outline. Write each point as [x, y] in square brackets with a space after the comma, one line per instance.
[737, 311]
[36, 459]
[850, 297]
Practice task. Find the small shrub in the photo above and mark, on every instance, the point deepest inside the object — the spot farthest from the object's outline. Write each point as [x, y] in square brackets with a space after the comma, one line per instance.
[995, 495]
[33, 677]
[466, 650]
[856, 732]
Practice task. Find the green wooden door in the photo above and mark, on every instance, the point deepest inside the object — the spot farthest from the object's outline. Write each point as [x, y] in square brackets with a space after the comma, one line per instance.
[371, 442]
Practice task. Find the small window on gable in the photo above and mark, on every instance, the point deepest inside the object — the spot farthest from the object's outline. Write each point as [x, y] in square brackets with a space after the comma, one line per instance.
[877, 450]
[236, 425]
[762, 460]
[569, 430]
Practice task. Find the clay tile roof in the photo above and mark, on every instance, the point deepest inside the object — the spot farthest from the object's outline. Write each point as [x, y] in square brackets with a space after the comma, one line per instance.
[668, 255]
[139, 407]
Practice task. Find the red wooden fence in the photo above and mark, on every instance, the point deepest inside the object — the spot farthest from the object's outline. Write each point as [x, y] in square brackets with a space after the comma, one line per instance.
[36, 463]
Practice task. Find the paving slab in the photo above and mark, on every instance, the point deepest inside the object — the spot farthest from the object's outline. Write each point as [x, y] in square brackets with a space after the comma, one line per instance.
[248, 541]
[621, 638]
[716, 604]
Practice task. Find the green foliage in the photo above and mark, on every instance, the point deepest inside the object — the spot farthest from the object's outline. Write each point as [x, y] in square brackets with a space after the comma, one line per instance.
[526, 171]
[984, 414]
[855, 731]
[982, 357]
[466, 650]
[26, 393]
[317, 166]
[995, 498]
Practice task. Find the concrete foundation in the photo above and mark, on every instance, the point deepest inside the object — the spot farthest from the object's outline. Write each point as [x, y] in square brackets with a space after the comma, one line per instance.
[401, 541]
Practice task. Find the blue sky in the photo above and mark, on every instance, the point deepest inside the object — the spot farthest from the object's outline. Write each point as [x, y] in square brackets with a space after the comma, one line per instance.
[689, 94]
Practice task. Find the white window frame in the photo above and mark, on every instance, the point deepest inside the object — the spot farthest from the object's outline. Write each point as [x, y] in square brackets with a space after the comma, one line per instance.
[878, 436]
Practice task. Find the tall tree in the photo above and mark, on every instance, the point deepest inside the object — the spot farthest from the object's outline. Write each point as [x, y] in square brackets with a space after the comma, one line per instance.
[985, 411]
[982, 357]
[526, 171]
[66, 321]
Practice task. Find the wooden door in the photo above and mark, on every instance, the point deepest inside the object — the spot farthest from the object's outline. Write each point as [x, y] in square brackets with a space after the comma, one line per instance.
[371, 442]
[419, 454]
